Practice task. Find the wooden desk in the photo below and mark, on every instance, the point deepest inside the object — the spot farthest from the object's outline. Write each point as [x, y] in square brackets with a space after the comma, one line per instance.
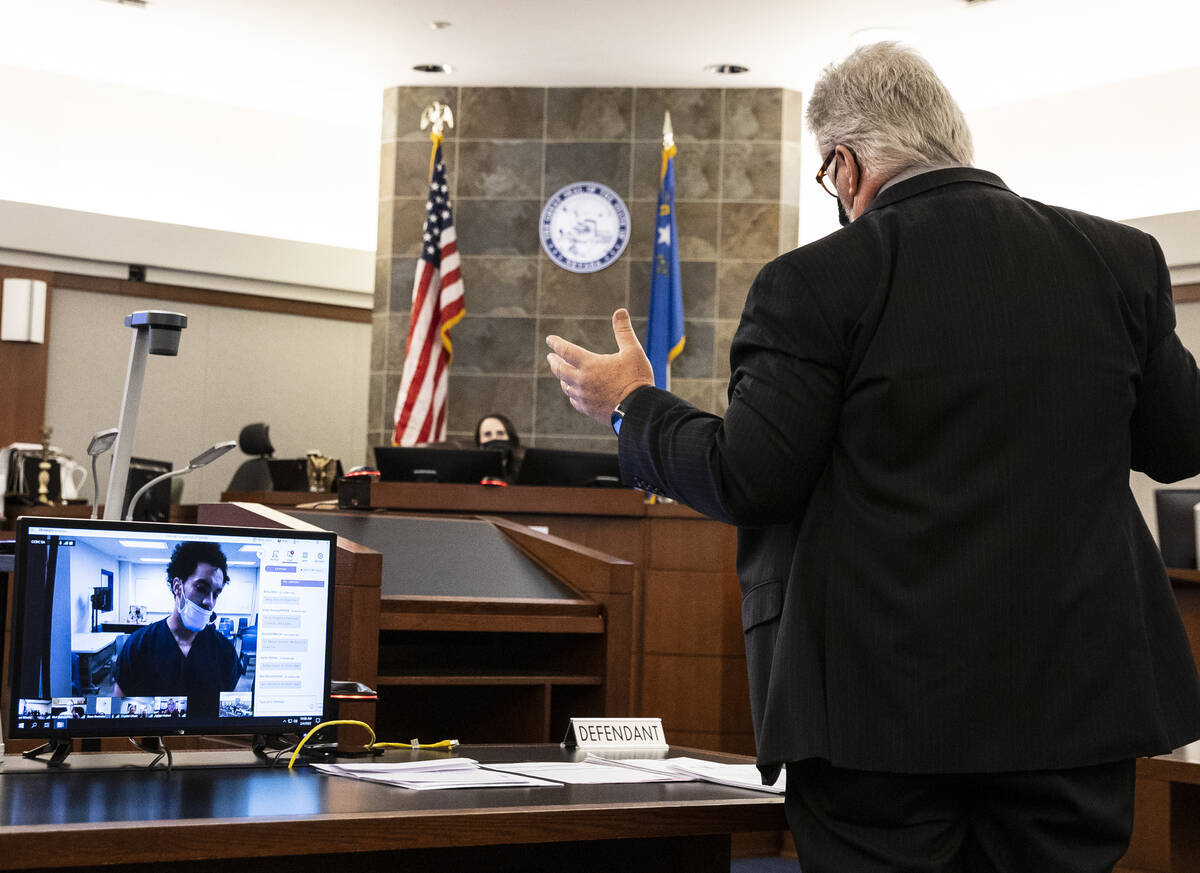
[261, 819]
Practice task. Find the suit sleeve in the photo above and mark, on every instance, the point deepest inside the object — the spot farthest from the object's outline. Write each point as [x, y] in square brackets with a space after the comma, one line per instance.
[759, 464]
[1165, 427]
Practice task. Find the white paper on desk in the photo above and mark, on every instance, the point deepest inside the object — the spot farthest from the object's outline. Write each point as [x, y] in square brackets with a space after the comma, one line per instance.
[649, 766]
[734, 775]
[431, 775]
[592, 771]
[442, 764]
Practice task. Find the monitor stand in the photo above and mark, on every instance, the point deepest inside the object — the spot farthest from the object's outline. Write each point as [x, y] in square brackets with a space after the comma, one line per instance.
[59, 750]
[270, 748]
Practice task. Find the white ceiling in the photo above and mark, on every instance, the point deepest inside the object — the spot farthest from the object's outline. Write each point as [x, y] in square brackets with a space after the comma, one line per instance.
[331, 60]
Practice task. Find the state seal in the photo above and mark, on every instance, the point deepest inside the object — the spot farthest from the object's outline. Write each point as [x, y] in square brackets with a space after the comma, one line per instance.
[584, 227]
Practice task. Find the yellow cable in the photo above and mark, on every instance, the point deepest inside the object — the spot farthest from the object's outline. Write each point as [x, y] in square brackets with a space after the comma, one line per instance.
[415, 744]
[300, 745]
[440, 744]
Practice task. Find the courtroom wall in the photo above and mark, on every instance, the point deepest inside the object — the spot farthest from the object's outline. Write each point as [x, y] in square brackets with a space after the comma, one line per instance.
[304, 376]
[737, 205]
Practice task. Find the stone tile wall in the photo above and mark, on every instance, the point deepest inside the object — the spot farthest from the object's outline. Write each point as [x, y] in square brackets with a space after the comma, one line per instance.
[737, 195]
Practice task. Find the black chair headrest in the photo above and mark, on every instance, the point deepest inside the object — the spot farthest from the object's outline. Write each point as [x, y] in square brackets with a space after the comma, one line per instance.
[254, 440]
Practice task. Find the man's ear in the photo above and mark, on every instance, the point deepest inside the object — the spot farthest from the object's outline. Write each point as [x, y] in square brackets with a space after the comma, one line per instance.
[849, 171]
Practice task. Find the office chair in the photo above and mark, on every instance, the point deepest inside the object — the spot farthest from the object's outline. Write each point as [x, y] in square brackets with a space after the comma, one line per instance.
[254, 474]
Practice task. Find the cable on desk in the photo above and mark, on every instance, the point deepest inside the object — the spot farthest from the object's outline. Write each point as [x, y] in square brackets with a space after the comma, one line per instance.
[325, 724]
[417, 744]
[371, 746]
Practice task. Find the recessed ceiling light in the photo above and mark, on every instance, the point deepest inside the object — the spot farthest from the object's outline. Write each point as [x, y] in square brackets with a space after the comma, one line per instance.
[140, 4]
[142, 544]
[726, 69]
[439, 25]
[433, 68]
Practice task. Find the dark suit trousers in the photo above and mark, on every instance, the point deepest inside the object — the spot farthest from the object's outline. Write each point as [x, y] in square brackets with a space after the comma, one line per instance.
[1057, 821]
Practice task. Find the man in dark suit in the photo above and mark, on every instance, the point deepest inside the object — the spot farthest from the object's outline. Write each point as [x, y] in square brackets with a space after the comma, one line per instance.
[959, 631]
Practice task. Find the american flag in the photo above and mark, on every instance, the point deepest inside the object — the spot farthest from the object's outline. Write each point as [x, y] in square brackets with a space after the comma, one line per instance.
[437, 305]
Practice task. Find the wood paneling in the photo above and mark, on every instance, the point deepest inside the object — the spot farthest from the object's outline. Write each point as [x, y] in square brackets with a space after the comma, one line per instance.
[23, 374]
[1189, 293]
[1150, 848]
[739, 743]
[233, 300]
[1187, 595]
[697, 693]
[690, 544]
[692, 613]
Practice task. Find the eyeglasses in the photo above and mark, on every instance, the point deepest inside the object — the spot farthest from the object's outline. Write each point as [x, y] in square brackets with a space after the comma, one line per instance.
[824, 179]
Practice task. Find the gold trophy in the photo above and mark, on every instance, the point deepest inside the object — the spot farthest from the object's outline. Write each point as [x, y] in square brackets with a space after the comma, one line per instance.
[44, 468]
[319, 470]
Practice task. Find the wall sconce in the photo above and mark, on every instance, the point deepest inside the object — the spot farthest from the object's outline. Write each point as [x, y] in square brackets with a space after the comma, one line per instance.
[23, 318]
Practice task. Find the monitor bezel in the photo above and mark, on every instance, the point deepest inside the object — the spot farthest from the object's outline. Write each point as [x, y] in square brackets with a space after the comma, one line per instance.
[487, 463]
[89, 728]
[1175, 520]
[569, 468]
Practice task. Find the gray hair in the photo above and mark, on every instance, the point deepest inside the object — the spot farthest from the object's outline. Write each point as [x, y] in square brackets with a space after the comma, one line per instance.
[887, 104]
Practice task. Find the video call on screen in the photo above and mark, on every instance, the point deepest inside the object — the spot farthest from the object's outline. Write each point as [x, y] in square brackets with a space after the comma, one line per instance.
[88, 593]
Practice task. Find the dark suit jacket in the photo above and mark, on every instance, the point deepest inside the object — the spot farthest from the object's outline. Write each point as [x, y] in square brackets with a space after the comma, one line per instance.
[932, 417]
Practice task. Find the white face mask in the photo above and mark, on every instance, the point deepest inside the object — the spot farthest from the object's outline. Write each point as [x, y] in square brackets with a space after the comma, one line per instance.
[194, 617]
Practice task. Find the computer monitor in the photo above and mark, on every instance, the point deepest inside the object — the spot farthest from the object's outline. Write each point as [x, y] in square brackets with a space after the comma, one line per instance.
[1177, 525]
[270, 676]
[567, 467]
[155, 504]
[438, 464]
[291, 474]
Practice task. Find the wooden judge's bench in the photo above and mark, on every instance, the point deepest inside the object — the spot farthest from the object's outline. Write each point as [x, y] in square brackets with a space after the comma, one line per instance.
[686, 651]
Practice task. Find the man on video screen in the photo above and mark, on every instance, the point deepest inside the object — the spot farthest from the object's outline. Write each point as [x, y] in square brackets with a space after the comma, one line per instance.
[183, 654]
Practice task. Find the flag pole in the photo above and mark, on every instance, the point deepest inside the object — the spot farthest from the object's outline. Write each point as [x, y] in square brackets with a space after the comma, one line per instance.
[436, 116]
[668, 146]
[665, 327]
[437, 305]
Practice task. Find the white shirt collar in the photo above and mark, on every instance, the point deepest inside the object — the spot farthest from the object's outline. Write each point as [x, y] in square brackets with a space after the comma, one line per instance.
[914, 171]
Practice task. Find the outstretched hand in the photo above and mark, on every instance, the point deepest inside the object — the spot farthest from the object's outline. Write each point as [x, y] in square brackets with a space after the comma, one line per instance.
[594, 383]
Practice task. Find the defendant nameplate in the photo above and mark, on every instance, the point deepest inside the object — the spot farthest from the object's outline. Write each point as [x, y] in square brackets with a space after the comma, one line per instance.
[615, 733]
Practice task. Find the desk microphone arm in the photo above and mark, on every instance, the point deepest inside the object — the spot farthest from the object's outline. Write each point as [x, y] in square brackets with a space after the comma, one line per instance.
[203, 459]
